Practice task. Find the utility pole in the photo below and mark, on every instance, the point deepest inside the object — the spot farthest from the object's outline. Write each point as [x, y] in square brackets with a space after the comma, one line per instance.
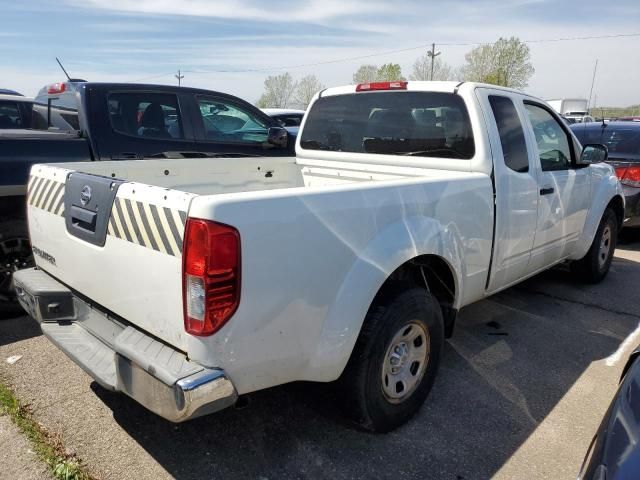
[592, 82]
[432, 54]
[179, 77]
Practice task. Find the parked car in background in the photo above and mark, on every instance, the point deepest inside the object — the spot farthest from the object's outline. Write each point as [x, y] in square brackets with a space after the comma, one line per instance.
[406, 201]
[84, 121]
[573, 110]
[15, 111]
[579, 118]
[623, 141]
[288, 118]
[614, 452]
[629, 119]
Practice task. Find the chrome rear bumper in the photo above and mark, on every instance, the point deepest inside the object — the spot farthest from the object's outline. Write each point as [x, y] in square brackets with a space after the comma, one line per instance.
[120, 357]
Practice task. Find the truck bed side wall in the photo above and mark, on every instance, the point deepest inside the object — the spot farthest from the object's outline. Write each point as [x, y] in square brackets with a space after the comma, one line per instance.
[312, 262]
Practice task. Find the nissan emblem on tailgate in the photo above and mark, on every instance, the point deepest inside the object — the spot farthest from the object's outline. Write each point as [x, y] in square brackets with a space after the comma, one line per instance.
[85, 195]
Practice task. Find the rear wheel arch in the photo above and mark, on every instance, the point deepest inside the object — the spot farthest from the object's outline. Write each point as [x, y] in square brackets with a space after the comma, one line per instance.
[431, 272]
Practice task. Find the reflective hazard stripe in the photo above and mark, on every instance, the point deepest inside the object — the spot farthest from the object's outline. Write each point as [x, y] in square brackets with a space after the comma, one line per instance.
[151, 226]
[145, 224]
[46, 194]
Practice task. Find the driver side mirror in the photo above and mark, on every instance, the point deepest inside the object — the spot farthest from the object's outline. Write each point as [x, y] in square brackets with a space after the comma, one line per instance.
[593, 153]
[278, 136]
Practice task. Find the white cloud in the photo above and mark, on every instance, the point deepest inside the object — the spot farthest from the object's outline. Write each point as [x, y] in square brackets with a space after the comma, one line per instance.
[121, 52]
[312, 11]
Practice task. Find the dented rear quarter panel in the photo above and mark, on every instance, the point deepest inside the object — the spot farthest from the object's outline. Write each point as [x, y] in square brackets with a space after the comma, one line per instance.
[313, 260]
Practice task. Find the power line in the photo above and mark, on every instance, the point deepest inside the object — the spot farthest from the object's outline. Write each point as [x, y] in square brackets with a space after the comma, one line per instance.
[389, 52]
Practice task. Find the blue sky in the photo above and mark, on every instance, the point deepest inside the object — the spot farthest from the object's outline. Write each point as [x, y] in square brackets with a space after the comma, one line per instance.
[233, 45]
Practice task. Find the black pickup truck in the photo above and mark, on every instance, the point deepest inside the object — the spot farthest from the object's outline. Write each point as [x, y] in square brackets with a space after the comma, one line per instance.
[85, 121]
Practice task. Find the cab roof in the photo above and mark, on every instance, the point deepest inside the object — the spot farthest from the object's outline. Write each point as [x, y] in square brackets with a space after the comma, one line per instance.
[417, 86]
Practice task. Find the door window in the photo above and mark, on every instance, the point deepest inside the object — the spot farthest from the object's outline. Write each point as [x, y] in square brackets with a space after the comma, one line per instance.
[553, 142]
[514, 147]
[224, 121]
[10, 115]
[145, 114]
[293, 120]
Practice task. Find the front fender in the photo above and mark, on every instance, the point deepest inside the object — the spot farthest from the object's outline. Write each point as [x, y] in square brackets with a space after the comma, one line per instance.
[604, 187]
[391, 248]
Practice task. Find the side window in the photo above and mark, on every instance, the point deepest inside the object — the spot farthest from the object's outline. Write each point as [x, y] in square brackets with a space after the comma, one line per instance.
[226, 122]
[145, 114]
[9, 115]
[553, 142]
[289, 120]
[514, 146]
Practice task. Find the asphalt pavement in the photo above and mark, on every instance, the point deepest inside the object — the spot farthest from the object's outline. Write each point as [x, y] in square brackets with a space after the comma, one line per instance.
[17, 459]
[523, 385]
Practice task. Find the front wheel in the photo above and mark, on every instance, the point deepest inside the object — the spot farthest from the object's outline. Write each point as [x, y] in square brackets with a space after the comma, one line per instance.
[594, 266]
[395, 360]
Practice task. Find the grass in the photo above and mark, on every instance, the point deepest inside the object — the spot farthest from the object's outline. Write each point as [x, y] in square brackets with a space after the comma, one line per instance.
[47, 446]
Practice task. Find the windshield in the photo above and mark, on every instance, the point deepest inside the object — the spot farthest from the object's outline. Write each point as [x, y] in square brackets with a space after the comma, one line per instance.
[426, 124]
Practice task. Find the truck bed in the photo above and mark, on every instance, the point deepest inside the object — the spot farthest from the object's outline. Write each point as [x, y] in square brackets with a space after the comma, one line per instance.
[330, 208]
[215, 176]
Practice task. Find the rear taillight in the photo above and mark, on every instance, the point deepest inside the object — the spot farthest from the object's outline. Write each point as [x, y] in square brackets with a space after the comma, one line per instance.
[55, 88]
[211, 275]
[629, 176]
[368, 87]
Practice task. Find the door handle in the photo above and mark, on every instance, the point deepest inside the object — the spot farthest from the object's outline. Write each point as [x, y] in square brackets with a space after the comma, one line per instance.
[546, 191]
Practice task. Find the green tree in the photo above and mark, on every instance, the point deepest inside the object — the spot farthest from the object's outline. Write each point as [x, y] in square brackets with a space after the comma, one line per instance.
[389, 72]
[507, 62]
[422, 69]
[307, 87]
[278, 91]
[366, 74]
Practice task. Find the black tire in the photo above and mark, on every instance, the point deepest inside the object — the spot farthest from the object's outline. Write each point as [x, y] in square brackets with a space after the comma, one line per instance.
[361, 384]
[594, 266]
[15, 253]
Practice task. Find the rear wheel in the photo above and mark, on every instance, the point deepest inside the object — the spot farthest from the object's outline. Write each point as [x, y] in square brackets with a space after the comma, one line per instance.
[15, 254]
[394, 362]
[594, 266]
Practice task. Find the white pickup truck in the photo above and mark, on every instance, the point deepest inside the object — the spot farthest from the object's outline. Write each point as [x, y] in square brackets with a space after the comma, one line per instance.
[185, 282]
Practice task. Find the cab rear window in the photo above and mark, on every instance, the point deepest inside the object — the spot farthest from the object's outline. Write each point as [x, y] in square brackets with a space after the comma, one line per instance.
[429, 124]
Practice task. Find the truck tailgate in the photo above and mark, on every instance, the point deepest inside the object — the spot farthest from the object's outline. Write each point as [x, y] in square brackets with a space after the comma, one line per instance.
[117, 243]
